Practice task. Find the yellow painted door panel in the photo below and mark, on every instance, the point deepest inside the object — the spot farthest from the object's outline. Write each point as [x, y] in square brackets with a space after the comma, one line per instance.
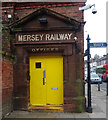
[46, 83]
[37, 89]
[54, 75]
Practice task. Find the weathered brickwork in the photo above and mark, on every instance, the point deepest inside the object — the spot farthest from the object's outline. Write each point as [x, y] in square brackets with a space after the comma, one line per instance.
[7, 86]
[74, 100]
[16, 9]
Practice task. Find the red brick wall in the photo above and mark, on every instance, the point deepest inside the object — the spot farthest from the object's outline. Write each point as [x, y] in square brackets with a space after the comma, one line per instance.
[7, 86]
[16, 9]
[0, 85]
[19, 10]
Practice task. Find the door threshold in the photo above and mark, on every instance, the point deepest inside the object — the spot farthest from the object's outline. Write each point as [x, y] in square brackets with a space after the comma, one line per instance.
[46, 107]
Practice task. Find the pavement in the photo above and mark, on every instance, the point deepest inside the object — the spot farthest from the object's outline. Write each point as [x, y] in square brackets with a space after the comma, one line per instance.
[98, 104]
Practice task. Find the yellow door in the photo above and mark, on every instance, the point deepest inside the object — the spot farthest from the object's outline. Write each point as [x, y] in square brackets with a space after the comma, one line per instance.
[37, 89]
[46, 83]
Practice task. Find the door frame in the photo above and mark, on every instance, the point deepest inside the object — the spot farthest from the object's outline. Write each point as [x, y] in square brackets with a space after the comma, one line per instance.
[32, 106]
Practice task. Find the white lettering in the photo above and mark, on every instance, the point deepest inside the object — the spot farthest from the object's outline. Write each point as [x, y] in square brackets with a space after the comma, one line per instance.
[66, 37]
[47, 36]
[61, 36]
[56, 36]
[20, 38]
[44, 49]
[41, 36]
[52, 37]
[56, 49]
[24, 37]
[48, 49]
[41, 49]
[37, 37]
[33, 38]
[28, 37]
[70, 35]
[52, 49]
[37, 49]
[33, 50]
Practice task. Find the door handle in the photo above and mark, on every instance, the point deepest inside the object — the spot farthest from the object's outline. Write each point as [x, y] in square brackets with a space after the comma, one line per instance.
[43, 81]
[44, 76]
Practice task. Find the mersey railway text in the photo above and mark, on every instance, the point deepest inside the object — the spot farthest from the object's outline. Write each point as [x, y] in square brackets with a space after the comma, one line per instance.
[41, 37]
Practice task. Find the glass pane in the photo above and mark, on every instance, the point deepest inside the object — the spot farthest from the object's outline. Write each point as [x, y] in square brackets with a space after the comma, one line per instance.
[38, 65]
